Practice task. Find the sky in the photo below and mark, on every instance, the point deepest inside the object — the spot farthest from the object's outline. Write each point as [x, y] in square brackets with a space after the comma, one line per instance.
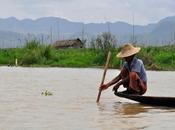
[139, 12]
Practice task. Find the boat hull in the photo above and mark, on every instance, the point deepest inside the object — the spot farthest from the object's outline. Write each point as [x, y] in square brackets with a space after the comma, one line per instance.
[149, 100]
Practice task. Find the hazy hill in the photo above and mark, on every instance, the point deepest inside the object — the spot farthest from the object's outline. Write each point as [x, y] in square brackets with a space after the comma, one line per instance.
[49, 29]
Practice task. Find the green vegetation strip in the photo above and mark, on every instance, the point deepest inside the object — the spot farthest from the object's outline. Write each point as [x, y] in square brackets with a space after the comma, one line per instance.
[35, 54]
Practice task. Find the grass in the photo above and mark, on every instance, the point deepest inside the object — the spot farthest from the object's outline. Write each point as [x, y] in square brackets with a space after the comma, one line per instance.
[159, 58]
[35, 54]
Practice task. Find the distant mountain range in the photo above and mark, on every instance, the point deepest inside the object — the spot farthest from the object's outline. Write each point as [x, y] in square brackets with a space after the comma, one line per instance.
[14, 32]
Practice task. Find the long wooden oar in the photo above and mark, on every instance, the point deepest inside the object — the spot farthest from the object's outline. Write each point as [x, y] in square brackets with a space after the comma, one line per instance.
[104, 74]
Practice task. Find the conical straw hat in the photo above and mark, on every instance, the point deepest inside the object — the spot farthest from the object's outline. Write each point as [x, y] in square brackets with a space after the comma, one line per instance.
[128, 50]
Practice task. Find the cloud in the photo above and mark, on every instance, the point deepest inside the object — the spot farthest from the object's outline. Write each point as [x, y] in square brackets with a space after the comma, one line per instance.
[144, 11]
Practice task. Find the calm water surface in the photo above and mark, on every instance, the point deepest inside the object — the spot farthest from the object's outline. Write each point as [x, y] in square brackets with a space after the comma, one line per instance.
[72, 105]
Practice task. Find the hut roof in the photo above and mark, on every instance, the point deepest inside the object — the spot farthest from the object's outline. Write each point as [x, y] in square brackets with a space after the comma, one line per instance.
[68, 43]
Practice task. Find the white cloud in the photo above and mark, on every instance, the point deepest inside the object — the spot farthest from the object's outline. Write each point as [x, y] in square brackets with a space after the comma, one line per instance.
[144, 11]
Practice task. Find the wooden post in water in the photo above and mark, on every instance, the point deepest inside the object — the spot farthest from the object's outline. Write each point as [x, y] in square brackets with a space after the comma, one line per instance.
[16, 62]
[104, 74]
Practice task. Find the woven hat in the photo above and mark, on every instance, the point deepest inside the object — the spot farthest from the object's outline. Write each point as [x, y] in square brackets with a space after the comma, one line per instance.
[128, 50]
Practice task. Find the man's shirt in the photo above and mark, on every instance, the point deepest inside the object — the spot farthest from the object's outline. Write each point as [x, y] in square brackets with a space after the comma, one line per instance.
[138, 67]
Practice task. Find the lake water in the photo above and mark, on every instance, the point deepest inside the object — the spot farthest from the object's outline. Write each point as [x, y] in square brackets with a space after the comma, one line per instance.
[72, 105]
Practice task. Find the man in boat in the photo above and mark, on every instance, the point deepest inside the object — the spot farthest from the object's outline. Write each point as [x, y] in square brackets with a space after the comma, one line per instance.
[132, 75]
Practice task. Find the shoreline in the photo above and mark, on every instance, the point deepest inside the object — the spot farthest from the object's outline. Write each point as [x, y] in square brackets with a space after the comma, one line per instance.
[36, 55]
[90, 67]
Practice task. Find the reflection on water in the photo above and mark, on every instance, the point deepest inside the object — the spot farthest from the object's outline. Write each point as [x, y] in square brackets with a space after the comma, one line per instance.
[133, 116]
[127, 109]
[72, 105]
[125, 115]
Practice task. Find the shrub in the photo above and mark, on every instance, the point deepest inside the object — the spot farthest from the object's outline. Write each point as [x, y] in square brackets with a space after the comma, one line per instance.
[36, 53]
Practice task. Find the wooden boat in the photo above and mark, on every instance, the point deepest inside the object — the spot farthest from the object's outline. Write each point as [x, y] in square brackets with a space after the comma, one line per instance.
[149, 100]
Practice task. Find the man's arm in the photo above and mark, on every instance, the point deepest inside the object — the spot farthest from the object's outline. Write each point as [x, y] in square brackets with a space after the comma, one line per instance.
[123, 81]
[113, 81]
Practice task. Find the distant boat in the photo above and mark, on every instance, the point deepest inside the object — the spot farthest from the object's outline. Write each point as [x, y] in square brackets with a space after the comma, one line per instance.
[149, 100]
